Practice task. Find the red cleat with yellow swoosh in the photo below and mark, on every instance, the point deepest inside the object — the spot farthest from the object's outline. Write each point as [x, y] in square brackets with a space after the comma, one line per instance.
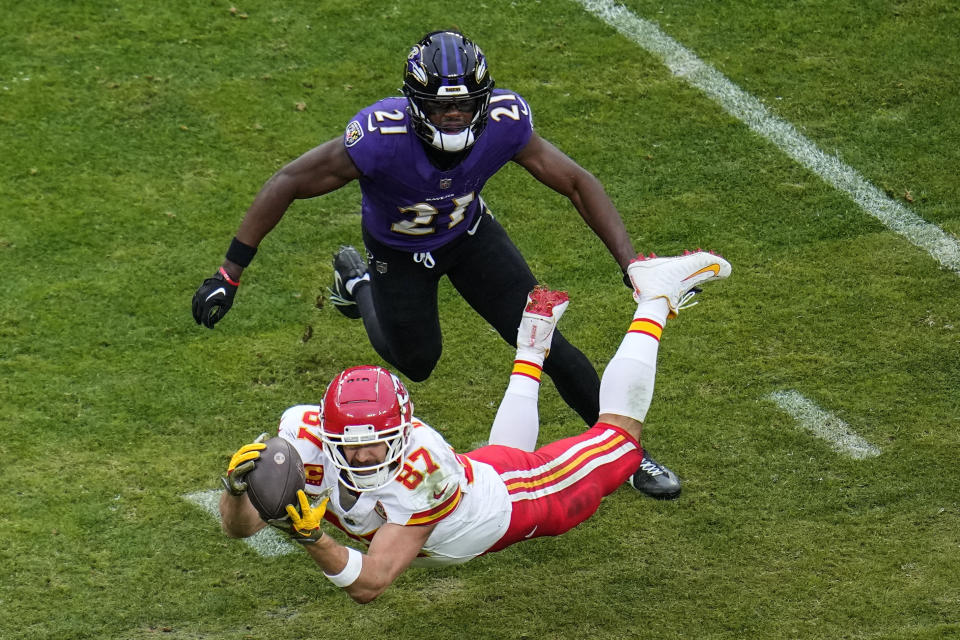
[675, 278]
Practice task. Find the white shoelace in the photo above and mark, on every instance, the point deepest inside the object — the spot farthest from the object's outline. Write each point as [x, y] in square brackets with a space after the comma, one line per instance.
[685, 302]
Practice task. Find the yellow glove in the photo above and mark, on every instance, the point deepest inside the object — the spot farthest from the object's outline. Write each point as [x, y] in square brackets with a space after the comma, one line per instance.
[305, 525]
[241, 464]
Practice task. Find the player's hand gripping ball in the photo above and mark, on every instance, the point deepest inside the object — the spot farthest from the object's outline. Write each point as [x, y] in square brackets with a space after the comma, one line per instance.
[242, 463]
[275, 479]
[305, 523]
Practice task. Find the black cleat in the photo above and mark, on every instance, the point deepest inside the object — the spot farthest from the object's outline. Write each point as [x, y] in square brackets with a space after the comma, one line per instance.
[655, 480]
[347, 265]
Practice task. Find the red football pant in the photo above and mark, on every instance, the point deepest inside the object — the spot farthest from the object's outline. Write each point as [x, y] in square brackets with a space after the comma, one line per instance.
[558, 486]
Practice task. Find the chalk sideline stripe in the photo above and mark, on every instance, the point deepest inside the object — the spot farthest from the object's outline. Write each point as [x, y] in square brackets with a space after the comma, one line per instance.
[944, 247]
[824, 425]
[266, 542]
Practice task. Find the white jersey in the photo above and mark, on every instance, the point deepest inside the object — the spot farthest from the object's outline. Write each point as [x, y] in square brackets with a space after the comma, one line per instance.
[466, 499]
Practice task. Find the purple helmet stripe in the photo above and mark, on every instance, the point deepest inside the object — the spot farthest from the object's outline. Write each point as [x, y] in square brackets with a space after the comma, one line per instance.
[444, 60]
[451, 64]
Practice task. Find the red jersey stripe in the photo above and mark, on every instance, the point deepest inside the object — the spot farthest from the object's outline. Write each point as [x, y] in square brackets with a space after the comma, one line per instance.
[439, 512]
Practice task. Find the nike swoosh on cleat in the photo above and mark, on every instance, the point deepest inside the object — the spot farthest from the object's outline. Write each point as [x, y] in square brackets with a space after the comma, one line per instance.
[216, 292]
[532, 531]
[713, 267]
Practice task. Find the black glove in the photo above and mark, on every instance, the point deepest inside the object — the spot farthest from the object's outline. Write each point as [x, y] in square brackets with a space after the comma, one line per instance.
[213, 299]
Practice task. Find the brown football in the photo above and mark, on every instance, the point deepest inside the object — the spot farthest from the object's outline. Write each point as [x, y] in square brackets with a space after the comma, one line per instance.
[276, 477]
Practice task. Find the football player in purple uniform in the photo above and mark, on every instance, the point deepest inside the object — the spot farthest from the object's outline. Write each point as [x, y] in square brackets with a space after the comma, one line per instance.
[422, 160]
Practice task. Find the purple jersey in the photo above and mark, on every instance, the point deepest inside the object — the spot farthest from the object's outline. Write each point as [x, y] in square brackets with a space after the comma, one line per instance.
[408, 203]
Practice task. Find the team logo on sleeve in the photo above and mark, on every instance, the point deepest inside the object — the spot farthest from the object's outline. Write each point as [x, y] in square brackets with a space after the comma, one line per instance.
[353, 133]
[313, 474]
[379, 510]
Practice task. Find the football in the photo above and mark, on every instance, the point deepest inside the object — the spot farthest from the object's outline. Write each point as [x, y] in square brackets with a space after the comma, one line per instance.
[275, 479]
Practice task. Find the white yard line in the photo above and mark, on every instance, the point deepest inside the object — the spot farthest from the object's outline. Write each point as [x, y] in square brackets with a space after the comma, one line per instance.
[944, 247]
[824, 424]
[266, 542]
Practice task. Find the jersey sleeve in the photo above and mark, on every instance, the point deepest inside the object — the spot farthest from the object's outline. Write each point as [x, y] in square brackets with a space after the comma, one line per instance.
[510, 119]
[300, 425]
[376, 132]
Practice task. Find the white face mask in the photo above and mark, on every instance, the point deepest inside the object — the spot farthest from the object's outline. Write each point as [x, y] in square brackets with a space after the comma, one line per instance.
[451, 141]
[375, 475]
[369, 481]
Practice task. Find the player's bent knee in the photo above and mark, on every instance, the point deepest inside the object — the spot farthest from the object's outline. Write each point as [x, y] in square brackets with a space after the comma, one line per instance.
[418, 369]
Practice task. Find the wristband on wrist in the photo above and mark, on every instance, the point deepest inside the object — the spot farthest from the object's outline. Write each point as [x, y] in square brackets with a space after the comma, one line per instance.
[226, 276]
[350, 572]
[240, 253]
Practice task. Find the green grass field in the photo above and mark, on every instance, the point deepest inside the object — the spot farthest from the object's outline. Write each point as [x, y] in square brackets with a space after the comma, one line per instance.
[134, 135]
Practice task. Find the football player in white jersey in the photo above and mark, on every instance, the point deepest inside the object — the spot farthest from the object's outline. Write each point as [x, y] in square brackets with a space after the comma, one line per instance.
[392, 483]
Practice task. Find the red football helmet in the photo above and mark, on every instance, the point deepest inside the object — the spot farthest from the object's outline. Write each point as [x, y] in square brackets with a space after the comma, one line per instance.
[366, 405]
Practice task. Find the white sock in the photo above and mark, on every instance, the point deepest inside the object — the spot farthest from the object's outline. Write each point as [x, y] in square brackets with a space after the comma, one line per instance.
[626, 387]
[518, 419]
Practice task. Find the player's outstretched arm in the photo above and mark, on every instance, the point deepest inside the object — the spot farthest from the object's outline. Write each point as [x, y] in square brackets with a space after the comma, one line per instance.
[320, 170]
[238, 517]
[558, 171]
[364, 576]
[392, 550]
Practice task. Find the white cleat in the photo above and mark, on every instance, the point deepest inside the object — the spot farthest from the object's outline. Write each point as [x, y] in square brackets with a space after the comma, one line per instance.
[674, 278]
[543, 310]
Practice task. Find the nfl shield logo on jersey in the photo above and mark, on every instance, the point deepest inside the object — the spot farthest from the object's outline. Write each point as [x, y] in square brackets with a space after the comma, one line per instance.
[445, 183]
[353, 133]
